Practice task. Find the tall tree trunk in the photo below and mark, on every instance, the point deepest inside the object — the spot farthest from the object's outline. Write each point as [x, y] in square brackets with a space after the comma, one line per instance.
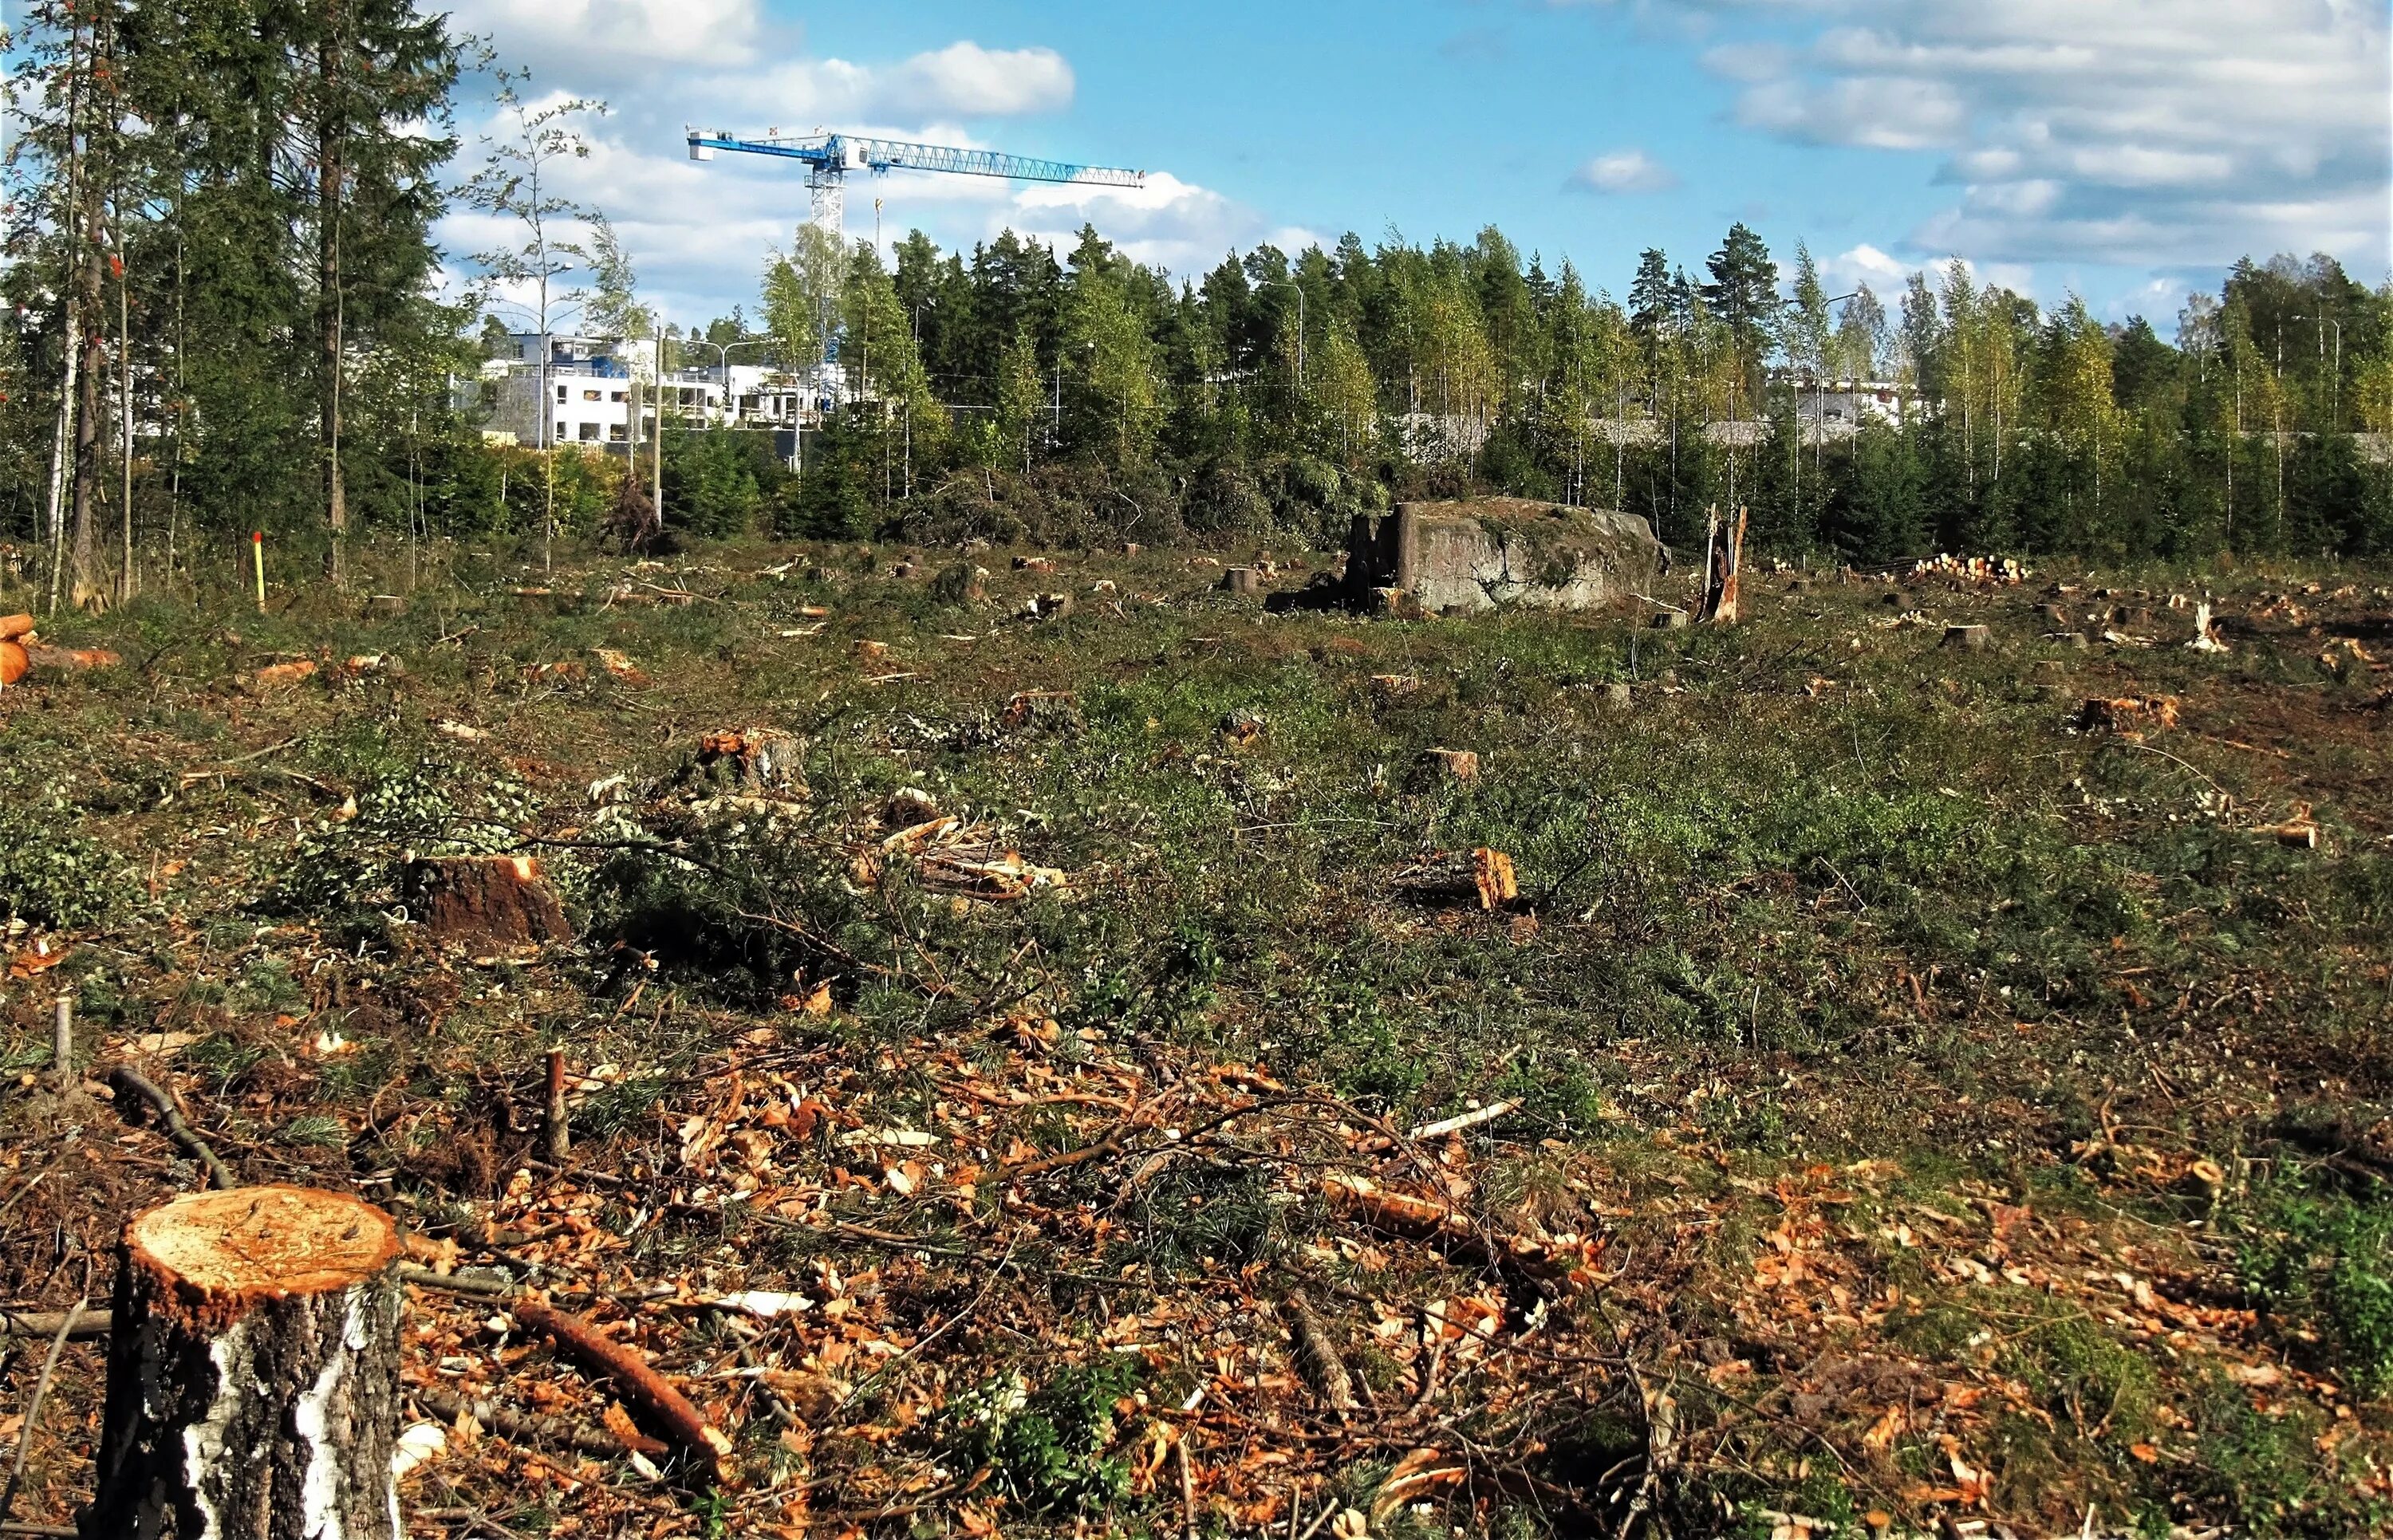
[62, 454]
[124, 577]
[83, 564]
[329, 171]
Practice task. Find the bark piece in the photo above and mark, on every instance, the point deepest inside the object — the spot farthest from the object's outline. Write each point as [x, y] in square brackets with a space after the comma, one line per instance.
[485, 899]
[286, 673]
[253, 1376]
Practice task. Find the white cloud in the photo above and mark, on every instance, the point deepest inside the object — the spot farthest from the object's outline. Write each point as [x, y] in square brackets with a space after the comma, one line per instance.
[698, 233]
[2141, 132]
[1624, 171]
[961, 79]
[592, 41]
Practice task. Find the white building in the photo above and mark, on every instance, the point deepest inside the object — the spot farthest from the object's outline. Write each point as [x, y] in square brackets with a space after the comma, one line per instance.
[584, 396]
[1839, 407]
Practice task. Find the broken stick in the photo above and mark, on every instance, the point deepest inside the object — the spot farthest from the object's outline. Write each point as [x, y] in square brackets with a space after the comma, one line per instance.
[520, 1428]
[1317, 1355]
[129, 1083]
[560, 1137]
[641, 1385]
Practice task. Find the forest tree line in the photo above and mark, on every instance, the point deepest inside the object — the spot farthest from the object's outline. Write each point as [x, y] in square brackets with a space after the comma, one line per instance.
[224, 315]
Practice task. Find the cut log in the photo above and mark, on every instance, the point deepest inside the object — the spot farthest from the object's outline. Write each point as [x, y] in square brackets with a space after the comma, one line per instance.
[14, 663]
[485, 899]
[253, 1376]
[16, 627]
[1976, 638]
[1481, 876]
[1240, 580]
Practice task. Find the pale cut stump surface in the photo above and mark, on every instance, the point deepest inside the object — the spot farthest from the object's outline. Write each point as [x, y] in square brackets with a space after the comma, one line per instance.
[253, 1374]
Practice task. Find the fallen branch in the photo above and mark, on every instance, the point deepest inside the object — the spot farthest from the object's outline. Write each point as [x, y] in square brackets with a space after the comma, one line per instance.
[129, 1082]
[640, 1384]
[1317, 1355]
[520, 1427]
[456, 1283]
[1558, 1257]
[33, 1416]
[1460, 1121]
[78, 1325]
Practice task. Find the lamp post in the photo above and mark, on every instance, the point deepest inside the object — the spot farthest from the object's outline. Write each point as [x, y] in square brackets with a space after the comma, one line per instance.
[723, 361]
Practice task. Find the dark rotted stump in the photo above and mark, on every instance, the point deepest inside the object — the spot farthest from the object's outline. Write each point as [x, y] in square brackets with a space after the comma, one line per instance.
[253, 1370]
[500, 900]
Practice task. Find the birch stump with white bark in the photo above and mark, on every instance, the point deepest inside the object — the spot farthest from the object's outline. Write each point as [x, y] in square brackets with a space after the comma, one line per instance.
[253, 1374]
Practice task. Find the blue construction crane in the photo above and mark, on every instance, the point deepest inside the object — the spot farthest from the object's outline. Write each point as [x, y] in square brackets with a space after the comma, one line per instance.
[830, 157]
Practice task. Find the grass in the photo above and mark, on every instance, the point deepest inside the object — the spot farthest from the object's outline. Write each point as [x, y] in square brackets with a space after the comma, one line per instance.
[1822, 897]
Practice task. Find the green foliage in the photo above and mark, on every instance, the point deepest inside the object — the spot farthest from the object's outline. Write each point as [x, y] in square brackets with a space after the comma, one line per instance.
[431, 807]
[717, 482]
[2323, 1258]
[51, 875]
[1052, 1449]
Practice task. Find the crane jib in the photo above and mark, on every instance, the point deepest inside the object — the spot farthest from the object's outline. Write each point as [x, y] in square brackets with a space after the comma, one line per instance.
[836, 154]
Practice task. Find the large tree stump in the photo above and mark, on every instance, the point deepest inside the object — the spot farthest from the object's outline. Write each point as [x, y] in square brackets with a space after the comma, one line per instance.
[253, 1373]
[485, 900]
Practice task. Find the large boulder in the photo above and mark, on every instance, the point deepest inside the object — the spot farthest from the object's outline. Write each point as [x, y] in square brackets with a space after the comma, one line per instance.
[1480, 552]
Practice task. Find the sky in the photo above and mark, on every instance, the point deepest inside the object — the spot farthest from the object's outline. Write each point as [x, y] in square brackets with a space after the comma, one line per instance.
[2124, 150]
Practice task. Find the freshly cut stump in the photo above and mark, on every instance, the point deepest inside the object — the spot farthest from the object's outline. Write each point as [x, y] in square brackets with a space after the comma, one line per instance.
[253, 1373]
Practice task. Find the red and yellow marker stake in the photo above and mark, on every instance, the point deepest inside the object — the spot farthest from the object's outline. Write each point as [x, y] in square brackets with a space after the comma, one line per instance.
[258, 560]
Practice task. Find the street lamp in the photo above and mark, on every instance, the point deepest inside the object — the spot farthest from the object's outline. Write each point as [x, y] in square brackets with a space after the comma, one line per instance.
[723, 361]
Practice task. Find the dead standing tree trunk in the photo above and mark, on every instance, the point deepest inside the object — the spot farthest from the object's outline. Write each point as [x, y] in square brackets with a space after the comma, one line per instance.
[1723, 569]
[252, 1371]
